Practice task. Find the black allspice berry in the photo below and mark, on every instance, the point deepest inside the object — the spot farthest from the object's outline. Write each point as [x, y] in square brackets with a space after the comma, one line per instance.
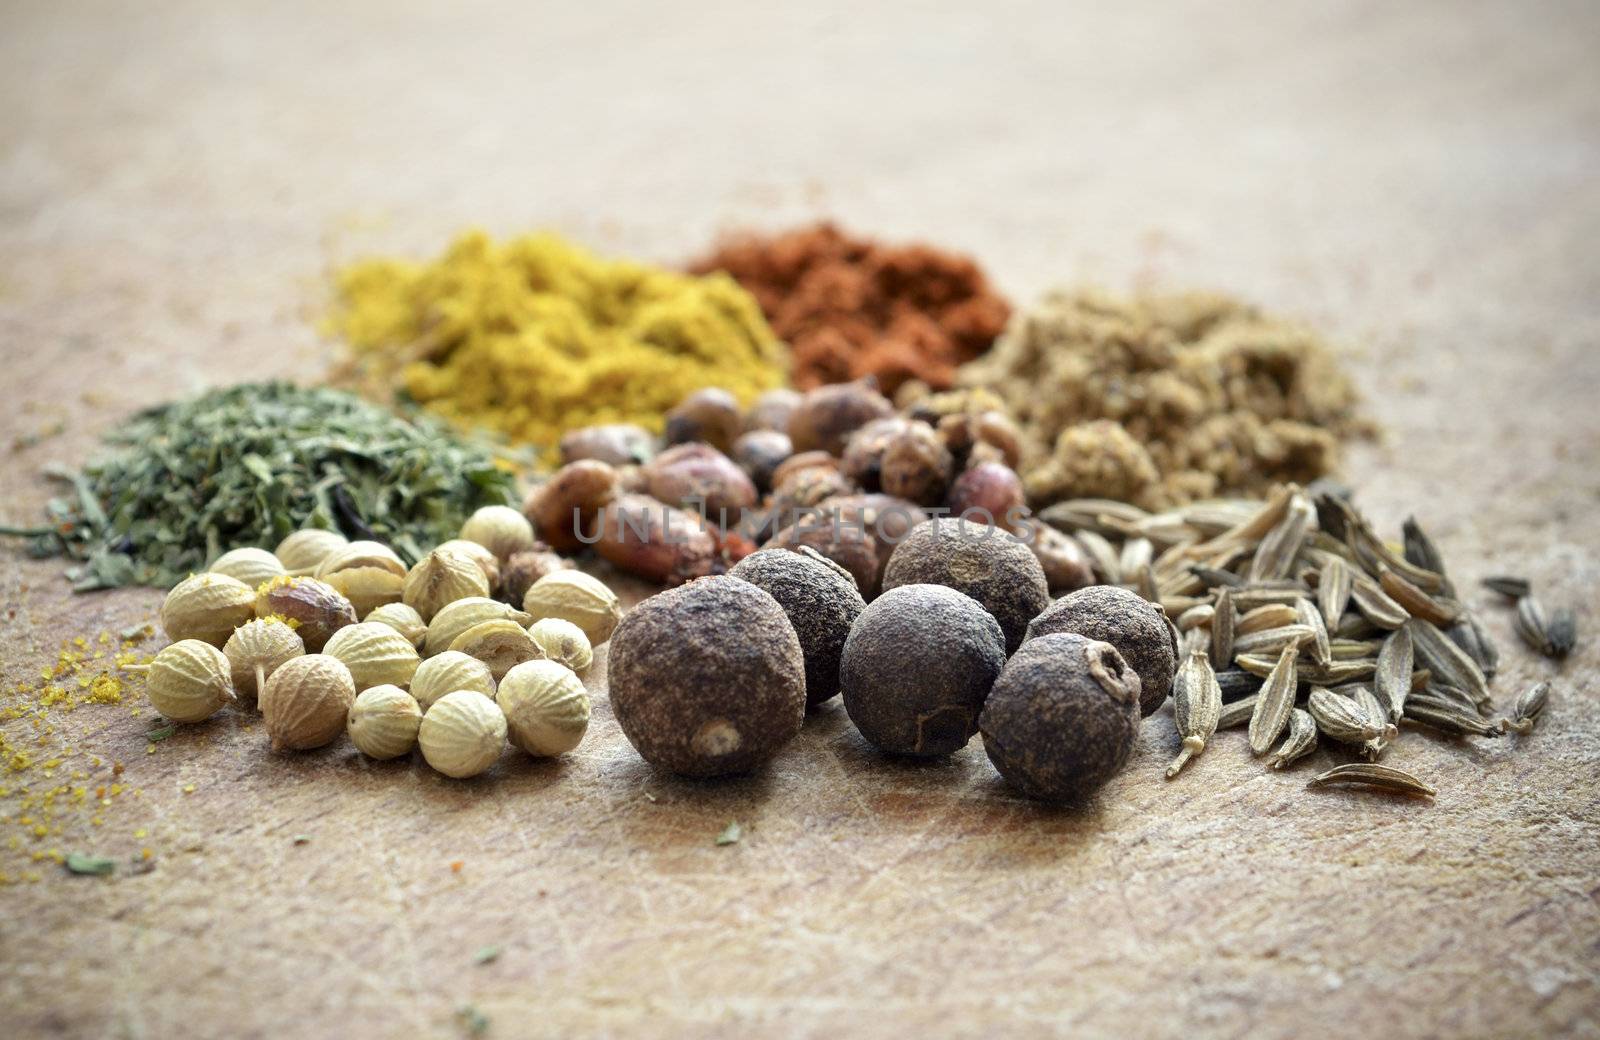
[1062, 718]
[993, 567]
[822, 602]
[708, 678]
[1136, 627]
[917, 666]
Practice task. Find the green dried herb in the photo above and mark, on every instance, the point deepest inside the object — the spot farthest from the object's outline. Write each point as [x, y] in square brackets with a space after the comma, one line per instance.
[487, 955]
[246, 466]
[475, 1022]
[730, 834]
[161, 733]
[99, 866]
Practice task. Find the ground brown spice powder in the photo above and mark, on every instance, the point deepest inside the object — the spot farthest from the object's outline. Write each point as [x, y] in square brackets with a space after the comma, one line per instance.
[1162, 400]
[851, 307]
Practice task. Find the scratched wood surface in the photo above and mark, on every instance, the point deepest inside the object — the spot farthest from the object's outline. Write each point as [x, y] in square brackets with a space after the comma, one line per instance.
[1418, 179]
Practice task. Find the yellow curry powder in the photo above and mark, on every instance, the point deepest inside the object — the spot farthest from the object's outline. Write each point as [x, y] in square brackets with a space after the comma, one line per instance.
[535, 336]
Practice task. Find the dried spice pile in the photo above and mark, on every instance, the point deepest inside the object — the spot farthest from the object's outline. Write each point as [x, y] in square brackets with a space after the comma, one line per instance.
[1296, 620]
[534, 336]
[1163, 400]
[851, 307]
[249, 464]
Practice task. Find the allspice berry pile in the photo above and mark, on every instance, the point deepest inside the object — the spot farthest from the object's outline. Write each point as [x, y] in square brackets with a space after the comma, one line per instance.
[821, 601]
[1062, 718]
[993, 567]
[708, 679]
[917, 667]
[851, 307]
[1136, 627]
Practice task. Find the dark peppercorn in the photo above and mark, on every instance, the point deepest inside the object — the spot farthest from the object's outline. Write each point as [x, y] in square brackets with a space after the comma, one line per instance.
[1062, 718]
[986, 563]
[917, 666]
[822, 602]
[708, 679]
[1136, 627]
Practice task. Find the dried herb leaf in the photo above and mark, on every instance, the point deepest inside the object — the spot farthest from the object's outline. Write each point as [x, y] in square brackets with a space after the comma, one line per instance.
[730, 834]
[161, 733]
[487, 955]
[1370, 774]
[99, 866]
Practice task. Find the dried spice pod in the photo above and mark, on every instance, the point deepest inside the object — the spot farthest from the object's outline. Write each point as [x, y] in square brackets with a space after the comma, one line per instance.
[657, 542]
[455, 618]
[709, 415]
[564, 507]
[207, 607]
[1063, 716]
[564, 643]
[1447, 661]
[1320, 645]
[383, 722]
[1223, 623]
[994, 568]
[1237, 713]
[525, 568]
[1344, 719]
[303, 551]
[501, 644]
[306, 702]
[1300, 741]
[1137, 628]
[1469, 635]
[615, 444]
[1449, 718]
[1274, 703]
[576, 597]
[708, 679]
[376, 654]
[254, 652]
[316, 609]
[249, 565]
[828, 415]
[1334, 585]
[1265, 617]
[462, 734]
[1371, 775]
[1510, 586]
[189, 681]
[1416, 602]
[442, 577]
[448, 672]
[1196, 706]
[402, 619]
[500, 529]
[1392, 680]
[701, 479]
[487, 561]
[546, 707]
[1527, 710]
[367, 573]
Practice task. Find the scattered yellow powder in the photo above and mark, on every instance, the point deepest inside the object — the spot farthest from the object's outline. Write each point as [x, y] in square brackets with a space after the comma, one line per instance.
[1162, 400]
[534, 336]
[38, 809]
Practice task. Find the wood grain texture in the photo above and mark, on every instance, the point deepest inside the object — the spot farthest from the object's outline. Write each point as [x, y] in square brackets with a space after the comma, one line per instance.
[1418, 179]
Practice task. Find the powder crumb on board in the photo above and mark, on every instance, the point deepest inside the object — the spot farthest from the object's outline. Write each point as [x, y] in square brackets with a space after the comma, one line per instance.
[55, 792]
